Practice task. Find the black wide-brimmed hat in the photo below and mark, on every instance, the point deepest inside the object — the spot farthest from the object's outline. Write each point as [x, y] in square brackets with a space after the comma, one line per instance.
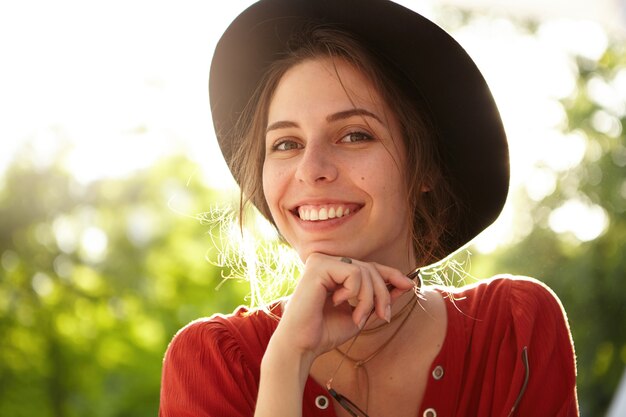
[470, 134]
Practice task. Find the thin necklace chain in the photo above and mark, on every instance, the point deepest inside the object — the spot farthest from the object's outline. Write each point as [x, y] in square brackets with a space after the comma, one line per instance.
[375, 329]
[360, 364]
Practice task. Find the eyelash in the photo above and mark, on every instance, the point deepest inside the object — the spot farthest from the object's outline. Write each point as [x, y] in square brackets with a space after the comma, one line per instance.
[365, 137]
[277, 145]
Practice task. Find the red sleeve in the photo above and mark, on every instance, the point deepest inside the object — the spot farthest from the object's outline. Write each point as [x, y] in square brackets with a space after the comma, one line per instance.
[509, 323]
[541, 326]
[205, 374]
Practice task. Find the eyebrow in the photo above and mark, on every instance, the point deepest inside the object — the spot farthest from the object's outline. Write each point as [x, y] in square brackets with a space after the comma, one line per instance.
[282, 124]
[351, 113]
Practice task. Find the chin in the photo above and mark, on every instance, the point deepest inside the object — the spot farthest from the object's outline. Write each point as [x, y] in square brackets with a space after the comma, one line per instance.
[305, 252]
[331, 250]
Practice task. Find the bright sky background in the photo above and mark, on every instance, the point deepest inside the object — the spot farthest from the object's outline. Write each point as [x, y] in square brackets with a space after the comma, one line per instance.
[125, 82]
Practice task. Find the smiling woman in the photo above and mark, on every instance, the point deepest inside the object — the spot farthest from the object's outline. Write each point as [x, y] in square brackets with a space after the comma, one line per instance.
[326, 158]
[375, 149]
[360, 108]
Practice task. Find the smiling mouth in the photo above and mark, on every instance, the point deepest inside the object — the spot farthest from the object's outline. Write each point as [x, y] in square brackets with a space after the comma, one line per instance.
[326, 212]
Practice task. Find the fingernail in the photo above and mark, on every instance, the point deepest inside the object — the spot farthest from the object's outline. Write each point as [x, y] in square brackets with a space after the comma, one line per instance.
[362, 323]
[388, 314]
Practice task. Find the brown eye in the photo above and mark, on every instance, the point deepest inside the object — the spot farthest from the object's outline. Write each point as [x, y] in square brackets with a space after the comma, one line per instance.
[354, 137]
[286, 145]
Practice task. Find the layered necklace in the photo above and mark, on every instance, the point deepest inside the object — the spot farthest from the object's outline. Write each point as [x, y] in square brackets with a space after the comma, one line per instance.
[359, 364]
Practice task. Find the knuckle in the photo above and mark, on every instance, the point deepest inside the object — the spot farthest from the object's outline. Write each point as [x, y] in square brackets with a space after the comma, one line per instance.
[375, 265]
[315, 257]
[356, 270]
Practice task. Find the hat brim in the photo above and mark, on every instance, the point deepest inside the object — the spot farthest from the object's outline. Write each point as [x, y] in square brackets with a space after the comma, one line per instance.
[471, 137]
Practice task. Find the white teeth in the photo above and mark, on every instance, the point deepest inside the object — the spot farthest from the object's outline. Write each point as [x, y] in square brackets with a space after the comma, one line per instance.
[323, 213]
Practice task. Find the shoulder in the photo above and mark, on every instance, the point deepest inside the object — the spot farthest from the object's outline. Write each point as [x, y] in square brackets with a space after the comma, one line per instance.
[514, 293]
[222, 352]
[536, 324]
[240, 335]
[503, 286]
[522, 309]
[523, 305]
[508, 327]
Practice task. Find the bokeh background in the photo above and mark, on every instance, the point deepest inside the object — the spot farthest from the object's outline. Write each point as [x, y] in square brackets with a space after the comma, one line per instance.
[108, 166]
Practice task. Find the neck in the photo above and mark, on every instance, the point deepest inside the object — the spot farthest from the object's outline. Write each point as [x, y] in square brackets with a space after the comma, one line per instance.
[404, 262]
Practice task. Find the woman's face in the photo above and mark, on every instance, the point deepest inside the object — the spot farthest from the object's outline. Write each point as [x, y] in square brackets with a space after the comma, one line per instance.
[333, 175]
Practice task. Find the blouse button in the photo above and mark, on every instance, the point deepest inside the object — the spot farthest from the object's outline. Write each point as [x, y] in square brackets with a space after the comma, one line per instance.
[321, 402]
[438, 372]
[430, 412]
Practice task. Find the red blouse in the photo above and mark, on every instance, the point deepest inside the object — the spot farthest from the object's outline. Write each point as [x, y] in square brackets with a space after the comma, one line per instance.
[507, 346]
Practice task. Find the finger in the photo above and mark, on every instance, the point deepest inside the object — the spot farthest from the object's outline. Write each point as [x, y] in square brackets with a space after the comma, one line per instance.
[356, 289]
[396, 282]
[365, 298]
[395, 277]
[381, 293]
[348, 278]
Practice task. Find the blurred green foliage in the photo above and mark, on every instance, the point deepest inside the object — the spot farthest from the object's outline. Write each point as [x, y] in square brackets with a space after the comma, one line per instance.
[589, 277]
[95, 279]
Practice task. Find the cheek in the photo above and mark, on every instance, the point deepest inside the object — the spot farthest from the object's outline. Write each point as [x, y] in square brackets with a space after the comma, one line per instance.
[273, 184]
[267, 184]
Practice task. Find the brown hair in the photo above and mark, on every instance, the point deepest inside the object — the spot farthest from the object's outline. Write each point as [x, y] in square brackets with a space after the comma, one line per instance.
[434, 211]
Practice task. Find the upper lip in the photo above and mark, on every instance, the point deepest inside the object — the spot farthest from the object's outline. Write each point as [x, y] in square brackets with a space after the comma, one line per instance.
[323, 202]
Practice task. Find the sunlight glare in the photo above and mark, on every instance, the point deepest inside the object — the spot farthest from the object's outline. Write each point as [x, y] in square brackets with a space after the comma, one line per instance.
[94, 244]
[606, 123]
[619, 84]
[127, 81]
[607, 95]
[65, 229]
[540, 183]
[561, 152]
[266, 229]
[585, 221]
[580, 37]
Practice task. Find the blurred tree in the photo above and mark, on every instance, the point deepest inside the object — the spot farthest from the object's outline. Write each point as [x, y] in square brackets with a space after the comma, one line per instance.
[94, 282]
[588, 275]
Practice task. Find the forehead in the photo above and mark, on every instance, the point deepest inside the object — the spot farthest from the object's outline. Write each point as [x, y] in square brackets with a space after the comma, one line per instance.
[324, 84]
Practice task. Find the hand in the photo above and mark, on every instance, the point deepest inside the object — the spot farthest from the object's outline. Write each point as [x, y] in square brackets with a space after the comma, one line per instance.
[333, 299]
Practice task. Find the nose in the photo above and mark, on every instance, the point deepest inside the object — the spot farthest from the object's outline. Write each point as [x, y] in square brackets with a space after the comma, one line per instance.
[316, 165]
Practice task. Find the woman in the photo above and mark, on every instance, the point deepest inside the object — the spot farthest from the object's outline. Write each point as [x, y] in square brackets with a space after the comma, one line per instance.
[367, 136]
